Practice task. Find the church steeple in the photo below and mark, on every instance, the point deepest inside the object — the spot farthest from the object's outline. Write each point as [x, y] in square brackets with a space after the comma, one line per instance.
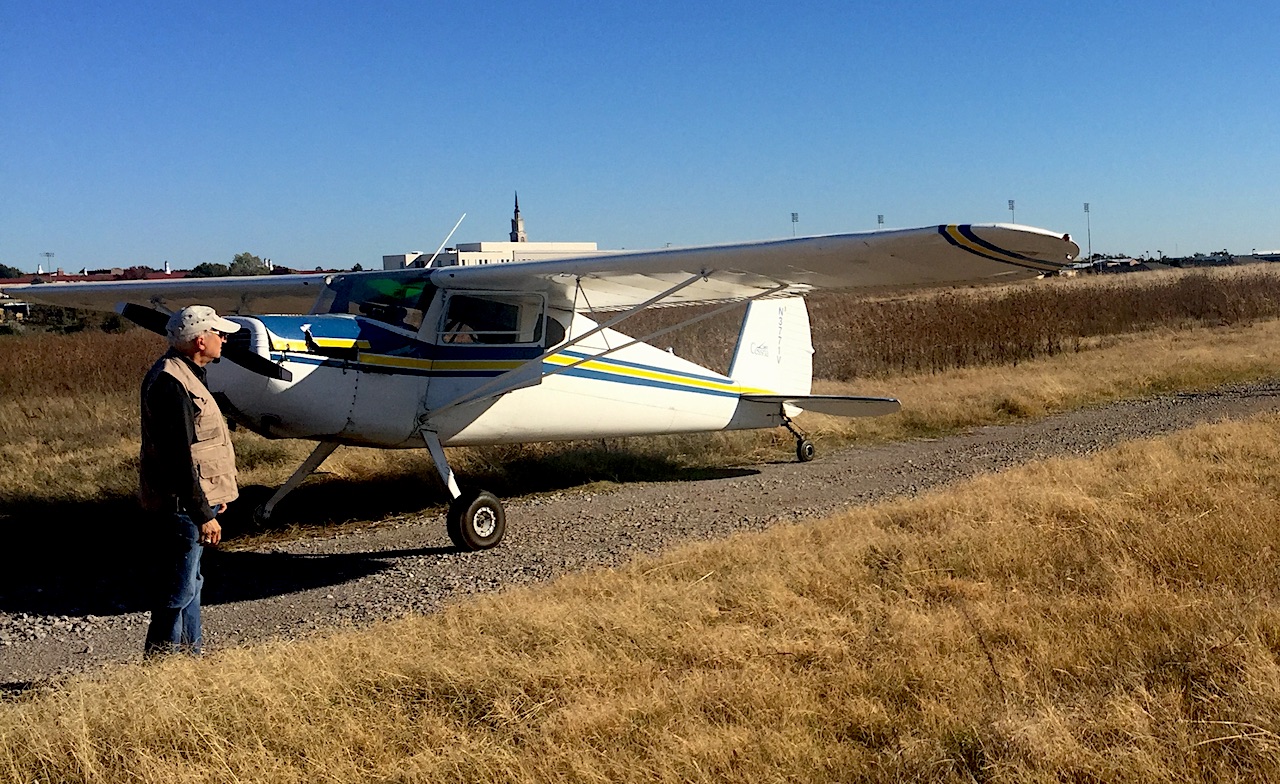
[517, 224]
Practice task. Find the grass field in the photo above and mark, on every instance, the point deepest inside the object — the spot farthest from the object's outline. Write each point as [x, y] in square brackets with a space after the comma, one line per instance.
[1109, 619]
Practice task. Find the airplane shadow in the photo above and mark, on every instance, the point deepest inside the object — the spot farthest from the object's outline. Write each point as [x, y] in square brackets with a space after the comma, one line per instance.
[91, 557]
[238, 576]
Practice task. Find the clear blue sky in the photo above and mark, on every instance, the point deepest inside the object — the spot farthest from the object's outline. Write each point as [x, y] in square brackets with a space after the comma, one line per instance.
[326, 133]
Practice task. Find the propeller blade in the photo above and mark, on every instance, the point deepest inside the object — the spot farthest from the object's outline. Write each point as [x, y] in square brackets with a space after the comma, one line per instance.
[158, 322]
[147, 318]
[255, 363]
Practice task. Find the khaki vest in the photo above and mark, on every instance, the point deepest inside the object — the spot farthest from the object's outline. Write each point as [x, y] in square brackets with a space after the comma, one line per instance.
[211, 453]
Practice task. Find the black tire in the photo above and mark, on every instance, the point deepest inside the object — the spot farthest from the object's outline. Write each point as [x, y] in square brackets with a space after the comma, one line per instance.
[804, 450]
[476, 520]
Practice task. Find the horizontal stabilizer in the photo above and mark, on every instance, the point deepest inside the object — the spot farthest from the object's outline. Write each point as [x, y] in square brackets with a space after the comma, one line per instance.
[833, 405]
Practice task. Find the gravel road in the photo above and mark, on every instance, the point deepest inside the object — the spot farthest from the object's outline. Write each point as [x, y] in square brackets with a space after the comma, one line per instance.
[361, 575]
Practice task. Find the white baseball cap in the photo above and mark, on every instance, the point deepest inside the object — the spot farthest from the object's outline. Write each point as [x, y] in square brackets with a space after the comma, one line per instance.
[195, 320]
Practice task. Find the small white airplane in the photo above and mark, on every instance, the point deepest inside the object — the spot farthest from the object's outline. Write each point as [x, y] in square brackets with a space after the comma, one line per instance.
[527, 351]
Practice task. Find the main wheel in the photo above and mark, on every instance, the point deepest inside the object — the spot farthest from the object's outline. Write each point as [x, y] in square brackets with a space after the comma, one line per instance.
[476, 520]
[805, 450]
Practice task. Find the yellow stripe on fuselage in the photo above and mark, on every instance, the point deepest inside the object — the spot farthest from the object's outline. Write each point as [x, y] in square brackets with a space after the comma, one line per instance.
[562, 360]
[445, 366]
[300, 346]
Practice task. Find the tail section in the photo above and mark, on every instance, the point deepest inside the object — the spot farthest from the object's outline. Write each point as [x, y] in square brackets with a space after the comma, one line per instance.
[775, 348]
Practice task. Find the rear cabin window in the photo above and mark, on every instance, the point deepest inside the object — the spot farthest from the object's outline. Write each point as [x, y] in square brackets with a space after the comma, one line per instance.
[492, 319]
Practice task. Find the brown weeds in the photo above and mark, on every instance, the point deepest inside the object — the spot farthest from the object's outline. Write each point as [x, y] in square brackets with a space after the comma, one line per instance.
[874, 336]
[1102, 620]
[1108, 619]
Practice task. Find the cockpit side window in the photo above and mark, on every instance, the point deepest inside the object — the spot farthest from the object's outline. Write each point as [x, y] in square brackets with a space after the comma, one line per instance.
[395, 299]
[492, 318]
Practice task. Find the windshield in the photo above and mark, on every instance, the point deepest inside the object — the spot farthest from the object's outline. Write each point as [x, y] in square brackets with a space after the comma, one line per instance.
[394, 298]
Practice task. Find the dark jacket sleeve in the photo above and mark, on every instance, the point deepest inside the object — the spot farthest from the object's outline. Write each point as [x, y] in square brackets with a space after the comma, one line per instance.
[171, 409]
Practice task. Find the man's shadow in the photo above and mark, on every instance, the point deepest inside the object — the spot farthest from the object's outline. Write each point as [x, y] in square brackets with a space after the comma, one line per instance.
[94, 557]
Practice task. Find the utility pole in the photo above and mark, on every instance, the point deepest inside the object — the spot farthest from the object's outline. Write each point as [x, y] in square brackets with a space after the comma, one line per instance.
[1089, 227]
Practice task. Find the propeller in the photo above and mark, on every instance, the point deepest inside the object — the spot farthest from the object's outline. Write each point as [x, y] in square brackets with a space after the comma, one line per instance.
[158, 322]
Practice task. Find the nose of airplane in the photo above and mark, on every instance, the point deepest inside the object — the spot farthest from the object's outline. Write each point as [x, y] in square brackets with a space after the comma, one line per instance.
[250, 348]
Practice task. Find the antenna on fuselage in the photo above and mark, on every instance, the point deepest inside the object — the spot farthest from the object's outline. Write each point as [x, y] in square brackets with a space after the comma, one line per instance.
[432, 260]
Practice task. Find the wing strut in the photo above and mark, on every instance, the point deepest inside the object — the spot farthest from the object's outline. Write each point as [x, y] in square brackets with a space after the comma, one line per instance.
[651, 335]
[485, 390]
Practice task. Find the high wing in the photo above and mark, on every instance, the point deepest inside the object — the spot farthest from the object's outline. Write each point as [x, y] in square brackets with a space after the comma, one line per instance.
[238, 295]
[934, 255]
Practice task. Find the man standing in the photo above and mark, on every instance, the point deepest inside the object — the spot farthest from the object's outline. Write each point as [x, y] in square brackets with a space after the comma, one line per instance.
[187, 474]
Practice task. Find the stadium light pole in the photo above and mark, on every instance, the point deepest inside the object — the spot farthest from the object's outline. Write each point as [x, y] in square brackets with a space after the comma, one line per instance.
[1089, 228]
[880, 221]
[48, 259]
[795, 218]
[1013, 216]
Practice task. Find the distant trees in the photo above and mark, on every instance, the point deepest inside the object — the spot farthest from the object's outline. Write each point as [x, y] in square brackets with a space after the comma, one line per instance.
[10, 272]
[241, 264]
[248, 264]
[209, 270]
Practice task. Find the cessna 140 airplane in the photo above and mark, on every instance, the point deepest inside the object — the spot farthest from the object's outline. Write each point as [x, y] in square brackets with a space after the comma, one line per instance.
[527, 351]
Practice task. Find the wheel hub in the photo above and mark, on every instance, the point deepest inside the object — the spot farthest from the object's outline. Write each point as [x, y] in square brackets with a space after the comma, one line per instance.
[484, 521]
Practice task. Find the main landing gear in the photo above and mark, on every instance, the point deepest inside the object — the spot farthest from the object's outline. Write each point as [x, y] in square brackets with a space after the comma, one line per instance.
[804, 447]
[323, 449]
[476, 520]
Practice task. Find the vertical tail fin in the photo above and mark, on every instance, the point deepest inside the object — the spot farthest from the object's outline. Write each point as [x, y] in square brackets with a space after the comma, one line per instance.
[775, 348]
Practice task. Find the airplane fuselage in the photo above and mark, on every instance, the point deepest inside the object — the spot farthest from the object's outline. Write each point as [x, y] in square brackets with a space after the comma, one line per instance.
[362, 382]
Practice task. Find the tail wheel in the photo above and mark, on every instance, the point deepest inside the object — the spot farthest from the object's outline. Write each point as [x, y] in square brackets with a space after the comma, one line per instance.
[804, 450]
[476, 520]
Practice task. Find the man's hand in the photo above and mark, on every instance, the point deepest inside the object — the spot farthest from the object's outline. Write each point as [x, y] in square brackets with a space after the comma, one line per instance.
[211, 532]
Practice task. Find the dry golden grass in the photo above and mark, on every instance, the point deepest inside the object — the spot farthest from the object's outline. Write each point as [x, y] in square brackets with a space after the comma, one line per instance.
[958, 328]
[1143, 364]
[1110, 619]
[1089, 620]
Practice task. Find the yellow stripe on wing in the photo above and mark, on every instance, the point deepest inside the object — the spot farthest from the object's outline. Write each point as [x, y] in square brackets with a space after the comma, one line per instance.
[996, 253]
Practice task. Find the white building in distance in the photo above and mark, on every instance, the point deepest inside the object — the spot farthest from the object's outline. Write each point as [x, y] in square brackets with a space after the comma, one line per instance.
[518, 248]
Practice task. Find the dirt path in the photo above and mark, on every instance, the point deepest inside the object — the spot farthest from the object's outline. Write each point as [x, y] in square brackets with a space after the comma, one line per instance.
[362, 575]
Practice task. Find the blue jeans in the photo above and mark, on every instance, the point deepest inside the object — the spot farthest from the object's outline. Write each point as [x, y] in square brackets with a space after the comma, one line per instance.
[175, 609]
